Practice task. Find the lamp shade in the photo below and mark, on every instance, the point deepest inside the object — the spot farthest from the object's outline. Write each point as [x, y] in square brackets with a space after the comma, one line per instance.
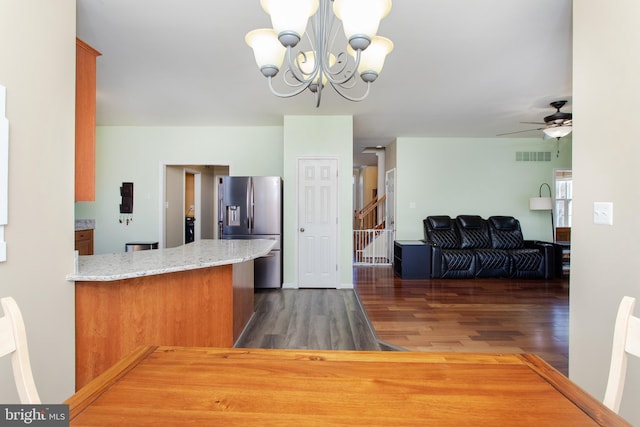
[361, 17]
[289, 15]
[372, 58]
[557, 131]
[268, 51]
[540, 204]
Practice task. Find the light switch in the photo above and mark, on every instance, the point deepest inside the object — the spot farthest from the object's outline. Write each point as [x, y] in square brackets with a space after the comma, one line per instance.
[603, 213]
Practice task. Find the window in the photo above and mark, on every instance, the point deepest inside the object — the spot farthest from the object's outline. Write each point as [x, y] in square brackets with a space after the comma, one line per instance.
[564, 195]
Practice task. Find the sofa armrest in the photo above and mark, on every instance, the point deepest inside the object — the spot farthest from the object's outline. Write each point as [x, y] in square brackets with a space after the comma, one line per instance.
[548, 252]
[434, 259]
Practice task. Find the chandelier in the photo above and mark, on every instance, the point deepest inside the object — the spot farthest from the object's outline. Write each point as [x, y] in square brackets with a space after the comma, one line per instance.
[317, 66]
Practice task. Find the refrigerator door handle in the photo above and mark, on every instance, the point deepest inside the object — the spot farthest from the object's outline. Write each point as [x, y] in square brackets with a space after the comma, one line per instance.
[252, 207]
[249, 206]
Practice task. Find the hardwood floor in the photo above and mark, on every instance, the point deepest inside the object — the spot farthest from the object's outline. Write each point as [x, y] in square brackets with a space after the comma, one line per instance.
[319, 319]
[470, 315]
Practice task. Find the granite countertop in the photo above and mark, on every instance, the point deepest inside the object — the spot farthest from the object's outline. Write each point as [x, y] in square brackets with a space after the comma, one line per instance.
[199, 254]
[85, 224]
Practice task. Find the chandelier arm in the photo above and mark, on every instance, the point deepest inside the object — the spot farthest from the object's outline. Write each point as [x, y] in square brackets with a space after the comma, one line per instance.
[290, 94]
[327, 21]
[350, 75]
[319, 95]
[350, 98]
[291, 81]
[296, 71]
[349, 84]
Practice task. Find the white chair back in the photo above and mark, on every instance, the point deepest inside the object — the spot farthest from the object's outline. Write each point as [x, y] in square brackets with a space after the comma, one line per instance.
[626, 340]
[13, 341]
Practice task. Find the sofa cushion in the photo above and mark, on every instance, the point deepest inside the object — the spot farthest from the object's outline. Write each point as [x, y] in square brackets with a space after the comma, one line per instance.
[527, 263]
[440, 231]
[504, 223]
[470, 221]
[492, 263]
[474, 233]
[457, 264]
[440, 222]
[505, 232]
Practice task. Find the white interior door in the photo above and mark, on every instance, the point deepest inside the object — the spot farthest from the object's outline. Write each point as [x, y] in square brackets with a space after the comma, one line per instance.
[317, 223]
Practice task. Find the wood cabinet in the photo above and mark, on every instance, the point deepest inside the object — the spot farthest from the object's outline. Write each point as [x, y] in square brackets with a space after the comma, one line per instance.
[85, 152]
[84, 242]
[563, 234]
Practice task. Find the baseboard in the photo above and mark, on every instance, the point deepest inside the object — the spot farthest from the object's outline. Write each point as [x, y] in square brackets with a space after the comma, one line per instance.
[295, 286]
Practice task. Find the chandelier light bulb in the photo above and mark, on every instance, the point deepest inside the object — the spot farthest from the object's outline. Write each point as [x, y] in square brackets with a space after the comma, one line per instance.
[360, 19]
[267, 50]
[289, 18]
[372, 59]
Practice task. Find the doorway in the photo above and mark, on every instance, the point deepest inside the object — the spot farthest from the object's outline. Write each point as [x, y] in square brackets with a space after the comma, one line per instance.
[317, 237]
[189, 195]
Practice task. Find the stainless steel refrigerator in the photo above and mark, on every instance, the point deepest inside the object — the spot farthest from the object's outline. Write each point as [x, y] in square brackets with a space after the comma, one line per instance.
[250, 207]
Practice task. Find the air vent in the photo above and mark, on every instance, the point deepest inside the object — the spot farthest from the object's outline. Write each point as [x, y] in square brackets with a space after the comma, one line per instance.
[533, 156]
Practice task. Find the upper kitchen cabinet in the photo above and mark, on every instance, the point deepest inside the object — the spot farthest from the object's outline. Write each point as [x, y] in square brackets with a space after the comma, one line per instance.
[85, 122]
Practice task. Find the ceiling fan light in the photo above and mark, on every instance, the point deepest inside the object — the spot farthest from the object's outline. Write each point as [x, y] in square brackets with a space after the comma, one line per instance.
[557, 131]
[289, 17]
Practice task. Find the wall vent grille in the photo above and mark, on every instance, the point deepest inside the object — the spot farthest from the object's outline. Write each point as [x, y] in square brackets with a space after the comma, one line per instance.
[533, 156]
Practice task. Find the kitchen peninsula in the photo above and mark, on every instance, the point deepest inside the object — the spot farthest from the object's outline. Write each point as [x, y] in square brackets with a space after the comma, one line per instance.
[199, 294]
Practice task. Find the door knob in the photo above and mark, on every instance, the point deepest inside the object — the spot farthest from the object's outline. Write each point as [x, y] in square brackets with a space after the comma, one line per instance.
[302, 229]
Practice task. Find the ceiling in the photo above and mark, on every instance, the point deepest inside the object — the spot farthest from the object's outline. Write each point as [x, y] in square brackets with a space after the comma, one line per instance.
[460, 68]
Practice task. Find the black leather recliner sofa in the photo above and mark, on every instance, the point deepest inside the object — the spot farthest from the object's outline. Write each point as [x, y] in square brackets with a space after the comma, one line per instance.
[470, 246]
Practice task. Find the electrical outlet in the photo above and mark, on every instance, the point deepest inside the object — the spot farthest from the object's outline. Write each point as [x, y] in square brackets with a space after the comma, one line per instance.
[603, 213]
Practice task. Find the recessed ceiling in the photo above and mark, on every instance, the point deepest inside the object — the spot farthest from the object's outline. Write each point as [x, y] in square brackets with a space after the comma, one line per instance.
[460, 68]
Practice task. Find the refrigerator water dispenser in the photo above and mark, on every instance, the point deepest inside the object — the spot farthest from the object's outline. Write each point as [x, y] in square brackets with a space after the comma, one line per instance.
[233, 216]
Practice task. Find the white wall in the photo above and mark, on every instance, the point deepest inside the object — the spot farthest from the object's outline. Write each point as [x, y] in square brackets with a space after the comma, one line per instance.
[605, 169]
[135, 154]
[458, 176]
[37, 42]
[321, 136]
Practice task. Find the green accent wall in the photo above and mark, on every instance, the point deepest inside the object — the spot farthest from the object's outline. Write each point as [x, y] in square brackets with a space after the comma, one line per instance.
[467, 176]
[137, 154]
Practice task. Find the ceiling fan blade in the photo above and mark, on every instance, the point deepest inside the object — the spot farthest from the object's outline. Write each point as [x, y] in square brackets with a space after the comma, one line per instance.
[519, 131]
[534, 123]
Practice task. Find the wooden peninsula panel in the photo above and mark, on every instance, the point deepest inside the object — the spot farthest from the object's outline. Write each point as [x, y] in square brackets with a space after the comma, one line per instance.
[206, 307]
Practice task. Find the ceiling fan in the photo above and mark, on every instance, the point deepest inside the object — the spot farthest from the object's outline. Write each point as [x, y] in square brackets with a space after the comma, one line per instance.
[556, 125]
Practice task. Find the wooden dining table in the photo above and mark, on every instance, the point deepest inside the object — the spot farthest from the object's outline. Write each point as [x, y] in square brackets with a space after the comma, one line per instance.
[159, 385]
